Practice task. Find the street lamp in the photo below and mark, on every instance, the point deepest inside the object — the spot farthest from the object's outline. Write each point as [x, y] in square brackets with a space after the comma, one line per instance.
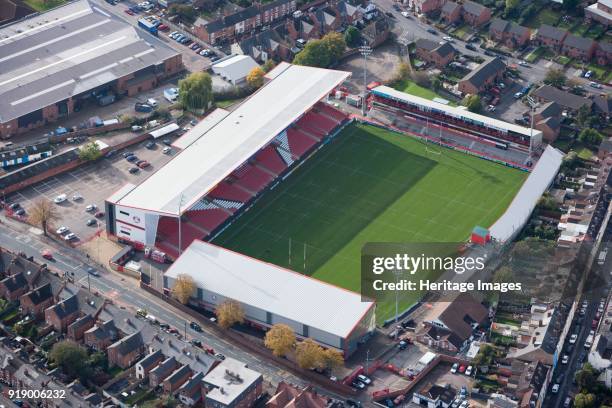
[365, 50]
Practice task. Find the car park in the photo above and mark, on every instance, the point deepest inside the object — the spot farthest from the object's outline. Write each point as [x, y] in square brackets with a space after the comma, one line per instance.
[462, 369]
[62, 230]
[77, 197]
[468, 371]
[60, 199]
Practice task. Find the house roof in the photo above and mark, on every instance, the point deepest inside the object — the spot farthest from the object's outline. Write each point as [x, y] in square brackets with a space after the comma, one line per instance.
[15, 282]
[193, 385]
[603, 104]
[128, 344]
[473, 8]
[40, 294]
[290, 396]
[497, 24]
[562, 98]
[66, 307]
[165, 367]
[605, 46]
[552, 122]
[577, 42]
[346, 9]
[150, 360]
[445, 49]
[272, 4]
[433, 391]
[551, 32]
[426, 44]
[438, 333]
[459, 315]
[485, 71]
[230, 379]
[106, 330]
[178, 374]
[449, 7]
[549, 109]
[82, 321]
[242, 15]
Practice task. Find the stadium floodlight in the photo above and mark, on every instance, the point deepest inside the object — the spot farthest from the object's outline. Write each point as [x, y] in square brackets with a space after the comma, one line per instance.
[533, 104]
[365, 50]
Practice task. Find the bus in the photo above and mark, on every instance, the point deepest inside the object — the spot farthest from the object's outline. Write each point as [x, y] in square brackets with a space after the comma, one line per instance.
[147, 25]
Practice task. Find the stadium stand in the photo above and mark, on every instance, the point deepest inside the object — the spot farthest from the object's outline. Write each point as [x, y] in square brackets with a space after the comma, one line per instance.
[271, 160]
[299, 142]
[227, 191]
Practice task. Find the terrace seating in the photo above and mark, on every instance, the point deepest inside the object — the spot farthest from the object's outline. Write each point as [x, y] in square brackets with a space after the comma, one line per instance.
[331, 112]
[208, 219]
[282, 141]
[255, 179]
[286, 155]
[317, 121]
[227, 204]
[299, 142]
[227, 191]
[311, 131]
[241, 171]
[271, 160]
[168, 247]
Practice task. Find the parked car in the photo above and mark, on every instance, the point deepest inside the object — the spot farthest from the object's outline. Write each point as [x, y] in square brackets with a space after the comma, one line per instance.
[150, 145]
[167, 150]
[20, 211]
[432, 31]
[129, 11]
[131, 158]
[91, 208]
[595, 85]
[195, 327]
[447, 38]
[133, 170]
[470, 47]
[565, 359]
[555, 388]
[71, 236]
[60, 198]
[403, 345]
[454, 368]
[462, 369]
[14, 206]
[196, 343]
[358, 384]
[588, 74]
[405, 14]
[91, 221]
[468, 371]
[573, 338]
[364, 379]
[77, 197]
[143, 164]
[99, 214]
[62, 230]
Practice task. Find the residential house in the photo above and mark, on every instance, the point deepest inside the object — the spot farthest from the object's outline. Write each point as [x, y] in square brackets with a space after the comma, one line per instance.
[76, 330]
[176, 379]
[126, 351]
[451, 12]
[426, 6]
[269, 44]
[274, 10]
[550, 128]
[63, 313]
[602, 104]
[483, 77]
[232, 384]
[509, 33]
[459, 318]
[605, 148]
[36, 301]
[475, 14]
[289, 396]
[603, 53]
[600, 12]
[565, 100]
[578, 47]
[148, 363]
[434, 396]
[191, 392]
[347, 12]
[435, 53]
[162, 371]
[303, 27]
[440, 339]
[526, 382]
[12, 287]
[551, 37]
[538, 335]
[102, 335]
[328, 19]
[243, 21]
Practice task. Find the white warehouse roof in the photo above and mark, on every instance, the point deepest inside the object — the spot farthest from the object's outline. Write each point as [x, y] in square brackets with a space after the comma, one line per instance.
[251, 126]
[271, 288]
[458, 112]
[234, 67]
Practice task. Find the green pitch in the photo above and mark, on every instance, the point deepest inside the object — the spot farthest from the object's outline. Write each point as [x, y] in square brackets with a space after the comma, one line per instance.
[371, 185]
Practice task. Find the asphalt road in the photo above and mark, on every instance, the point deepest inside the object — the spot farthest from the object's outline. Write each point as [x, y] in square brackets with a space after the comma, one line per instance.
[126, 292]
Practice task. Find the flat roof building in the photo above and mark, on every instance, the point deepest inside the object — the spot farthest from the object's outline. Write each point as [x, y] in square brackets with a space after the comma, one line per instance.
[232, 384]
[54, 62]
[270, 294]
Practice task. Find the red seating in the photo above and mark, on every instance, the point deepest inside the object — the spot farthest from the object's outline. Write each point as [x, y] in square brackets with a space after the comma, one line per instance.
[255, 180]
[228, 191]
[168, 248]
[241, 171]
[271, 160]
[299, 143]
[208, 219]
[167, 226]
[323, 122]
[331, 112]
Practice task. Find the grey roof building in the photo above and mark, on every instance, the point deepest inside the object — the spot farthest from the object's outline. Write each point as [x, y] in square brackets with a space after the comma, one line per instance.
[564, 99]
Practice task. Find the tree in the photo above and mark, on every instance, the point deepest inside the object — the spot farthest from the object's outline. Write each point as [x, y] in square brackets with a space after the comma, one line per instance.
[280, 339]
[570, 5]
[511, 6]
[195, 91]
[184, 11]
[584, 400]
[322, 53]
[403, 71]
[229, 313]
[555, 77]
[485, 355]
[43, 213]
[255, 78]
[90, 152]
[436, 83]
[184, 287]
[309, 354]
[472, 103]
[333, 359]
[590, 137]
[70, 357]
[586, 378]
[503, 275]
[268, 65]
[352, 36]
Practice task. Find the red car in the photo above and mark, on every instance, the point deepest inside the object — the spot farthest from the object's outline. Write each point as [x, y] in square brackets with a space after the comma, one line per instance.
[45, 253]
[162, 27]
[99, 214]
[144, 164]
[594, 324]
[461, 368]
[128, 11]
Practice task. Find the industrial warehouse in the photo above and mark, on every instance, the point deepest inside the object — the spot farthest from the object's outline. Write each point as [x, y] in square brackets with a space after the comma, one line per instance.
[58, 62]
[270, 294]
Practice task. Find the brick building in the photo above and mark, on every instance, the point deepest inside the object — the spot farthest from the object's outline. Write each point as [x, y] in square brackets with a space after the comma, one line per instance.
[483, 77]
[126, 351]
[12, 287]
[63, 313]
[509, 33]
[600, 12]
[36, 301]
[48, 82]
[475, 14]
[232, 384]
[578, 47]
[435, 53]
[551, 37]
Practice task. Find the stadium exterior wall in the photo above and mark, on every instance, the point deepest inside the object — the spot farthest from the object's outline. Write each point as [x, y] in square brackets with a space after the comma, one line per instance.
[263, 319]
